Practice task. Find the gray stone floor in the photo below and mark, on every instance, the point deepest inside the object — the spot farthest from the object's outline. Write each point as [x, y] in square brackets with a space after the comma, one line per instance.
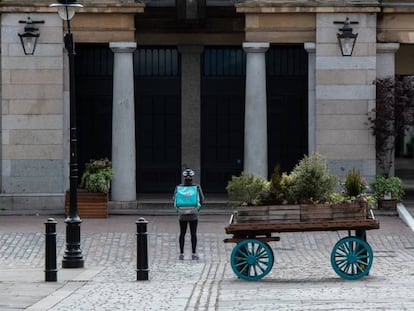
[301, 278]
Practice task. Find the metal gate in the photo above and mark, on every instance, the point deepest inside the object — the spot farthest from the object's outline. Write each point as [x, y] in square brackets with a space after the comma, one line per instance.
[94, 66]
[222, 116]
[223, 100]
[287, 106]
[158, 118]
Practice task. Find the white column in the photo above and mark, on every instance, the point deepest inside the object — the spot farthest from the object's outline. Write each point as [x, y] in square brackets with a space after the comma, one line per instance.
[123, 123]
[255, 127]
[310, 47]
[386, 59]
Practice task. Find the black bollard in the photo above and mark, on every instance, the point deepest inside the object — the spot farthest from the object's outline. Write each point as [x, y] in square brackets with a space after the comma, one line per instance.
[142, 250]
[50, 256]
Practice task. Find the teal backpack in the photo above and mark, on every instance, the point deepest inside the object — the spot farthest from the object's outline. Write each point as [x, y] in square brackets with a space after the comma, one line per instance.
[187, 199]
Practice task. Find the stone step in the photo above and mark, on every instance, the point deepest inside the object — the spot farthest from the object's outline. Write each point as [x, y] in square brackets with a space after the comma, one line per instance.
[160, 206]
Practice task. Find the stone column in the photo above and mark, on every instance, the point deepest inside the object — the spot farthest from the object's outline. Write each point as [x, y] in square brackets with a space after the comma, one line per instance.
[255, 126]
[123, 123]
[386, 59]
[310, 47]
[191, 108]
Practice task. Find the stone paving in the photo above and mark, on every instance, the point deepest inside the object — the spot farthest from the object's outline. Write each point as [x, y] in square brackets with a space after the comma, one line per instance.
[301, 278]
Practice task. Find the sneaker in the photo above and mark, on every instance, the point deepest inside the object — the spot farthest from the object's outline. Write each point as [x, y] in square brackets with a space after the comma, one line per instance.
[195, 257]
[181, 257]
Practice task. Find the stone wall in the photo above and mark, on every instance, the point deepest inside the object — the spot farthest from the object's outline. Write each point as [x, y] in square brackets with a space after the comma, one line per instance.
[32, 116]
[344, 94]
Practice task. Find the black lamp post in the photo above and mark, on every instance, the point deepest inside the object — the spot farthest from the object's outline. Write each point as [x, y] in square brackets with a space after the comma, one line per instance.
[73, 255]
[346, 38]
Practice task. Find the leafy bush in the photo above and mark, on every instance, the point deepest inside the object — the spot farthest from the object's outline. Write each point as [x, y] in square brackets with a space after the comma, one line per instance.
[383, 186]
[287, 184]
[354, 183]
[246, 188]
[97, 176]
[273, 194]
[311, 180]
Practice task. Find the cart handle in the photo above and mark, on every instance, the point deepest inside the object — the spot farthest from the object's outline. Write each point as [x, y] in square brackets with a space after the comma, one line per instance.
[231, 218]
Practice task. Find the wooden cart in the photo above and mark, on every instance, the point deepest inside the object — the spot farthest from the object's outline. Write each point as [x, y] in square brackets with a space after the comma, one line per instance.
[252, 258]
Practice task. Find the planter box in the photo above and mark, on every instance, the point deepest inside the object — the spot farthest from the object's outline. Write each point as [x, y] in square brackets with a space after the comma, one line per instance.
[303, 212]
[271, 214]
[90, 204]
[309, 212]
[389, 205]
[349, 210]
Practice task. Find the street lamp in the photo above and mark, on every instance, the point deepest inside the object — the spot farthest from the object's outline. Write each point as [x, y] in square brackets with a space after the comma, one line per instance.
[31, 34]
[73, 255]
[346, 38]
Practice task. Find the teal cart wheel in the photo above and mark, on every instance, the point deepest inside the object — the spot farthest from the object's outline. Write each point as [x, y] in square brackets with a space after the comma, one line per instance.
[251, 259]
[351, 258]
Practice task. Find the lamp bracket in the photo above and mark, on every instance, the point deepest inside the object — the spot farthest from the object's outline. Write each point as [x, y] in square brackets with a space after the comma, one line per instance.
[30, 24]
[346, 22]
[30, 21]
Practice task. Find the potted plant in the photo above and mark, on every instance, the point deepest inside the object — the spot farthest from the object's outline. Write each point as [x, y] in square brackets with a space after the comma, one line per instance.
[306, 194]
[246, 189]
[97, 176]
[388, 191]
[353, 201]
[354, 184]
[95, 184]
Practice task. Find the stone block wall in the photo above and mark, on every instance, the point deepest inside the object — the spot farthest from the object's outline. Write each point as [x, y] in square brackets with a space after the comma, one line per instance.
[344, 94]
[32, 116]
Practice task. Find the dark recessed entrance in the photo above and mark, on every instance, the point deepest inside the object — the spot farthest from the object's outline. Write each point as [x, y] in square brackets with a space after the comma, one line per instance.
[158, 118]
[158, 111]
[287, 106]
[94, 67]
[222, 116]
[223, 100]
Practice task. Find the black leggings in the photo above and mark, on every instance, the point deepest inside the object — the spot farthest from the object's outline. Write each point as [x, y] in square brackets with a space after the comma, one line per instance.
[193, 230]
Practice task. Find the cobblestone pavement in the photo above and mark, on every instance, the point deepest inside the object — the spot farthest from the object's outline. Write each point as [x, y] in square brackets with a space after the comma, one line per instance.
[301, 278]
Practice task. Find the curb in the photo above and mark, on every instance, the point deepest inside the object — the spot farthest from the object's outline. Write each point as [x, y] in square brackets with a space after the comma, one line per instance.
[70, 286]
[405, 215]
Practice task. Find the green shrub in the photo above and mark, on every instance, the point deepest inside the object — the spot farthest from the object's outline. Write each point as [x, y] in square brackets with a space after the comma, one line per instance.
[274, 193]
[246, 188]
[354, 183]
[337, 197]
[388, 186]
[311, 180]
[97, 176]
[287, 184]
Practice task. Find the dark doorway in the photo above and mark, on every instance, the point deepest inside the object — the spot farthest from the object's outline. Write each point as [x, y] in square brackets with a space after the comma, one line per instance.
[222, 116]
[287, 106]
[94, 66]
[158, 118]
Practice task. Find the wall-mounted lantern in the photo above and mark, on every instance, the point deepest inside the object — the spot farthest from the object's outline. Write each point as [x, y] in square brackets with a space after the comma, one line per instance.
[29, 37]
[346, 38]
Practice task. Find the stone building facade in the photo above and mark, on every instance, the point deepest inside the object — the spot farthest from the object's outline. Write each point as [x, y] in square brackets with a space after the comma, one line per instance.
[215, 85]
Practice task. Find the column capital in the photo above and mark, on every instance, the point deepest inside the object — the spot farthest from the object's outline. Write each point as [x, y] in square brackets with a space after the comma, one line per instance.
[387, 47]
[310, 47]
[256, 47]
[123, 47]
